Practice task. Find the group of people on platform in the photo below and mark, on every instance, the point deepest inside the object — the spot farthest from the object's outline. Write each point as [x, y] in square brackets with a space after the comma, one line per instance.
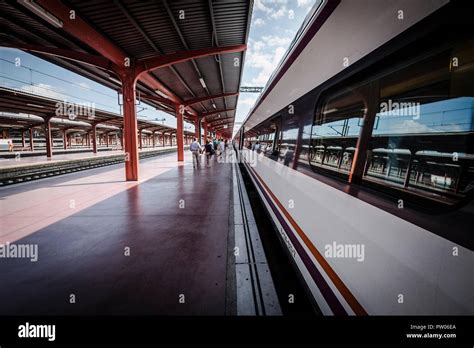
[213, 147]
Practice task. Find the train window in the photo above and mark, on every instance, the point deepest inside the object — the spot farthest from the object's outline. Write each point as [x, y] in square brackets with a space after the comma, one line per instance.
[289, 134]
[270, 147]
[265, 138]
[423, 134]
[335, 131]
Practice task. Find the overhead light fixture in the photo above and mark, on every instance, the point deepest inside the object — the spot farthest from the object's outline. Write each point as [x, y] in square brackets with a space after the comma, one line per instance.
[161, 94]
[41, 12]
[219, 115]
[36, 106]
[214, 106]
[202, 82]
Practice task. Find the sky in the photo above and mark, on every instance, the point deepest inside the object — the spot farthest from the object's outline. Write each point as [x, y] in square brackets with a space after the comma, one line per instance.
[273, 27]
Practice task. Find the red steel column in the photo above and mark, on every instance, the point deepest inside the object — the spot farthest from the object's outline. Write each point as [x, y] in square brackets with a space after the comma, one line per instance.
[94, 138]
[140, 138]
[48, 137]
[163, 138]
[179, 131]
[130, 127]
[205, 131]
[196, 129]
[23, 143]
[32, 145]
[64, 139]
[153, 136]
[106, 135]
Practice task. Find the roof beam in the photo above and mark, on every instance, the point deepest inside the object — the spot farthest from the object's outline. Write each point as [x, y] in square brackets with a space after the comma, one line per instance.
[77, 56]
[150, 42]
[217, 123]
[208, 97]
[185, 44]
[81, 30]
[205, 114]
[161, 61]
[221, 128]
[214, 31]
[157, 99]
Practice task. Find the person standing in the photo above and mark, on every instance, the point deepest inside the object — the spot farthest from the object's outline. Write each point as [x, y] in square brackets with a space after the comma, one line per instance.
[195, 149]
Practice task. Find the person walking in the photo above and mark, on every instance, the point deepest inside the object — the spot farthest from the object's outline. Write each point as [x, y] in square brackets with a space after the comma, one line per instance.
[222, 148]
[209, 148]
[196, 149]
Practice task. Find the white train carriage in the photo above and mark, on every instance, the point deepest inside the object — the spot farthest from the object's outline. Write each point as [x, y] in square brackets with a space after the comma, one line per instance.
[361, 147]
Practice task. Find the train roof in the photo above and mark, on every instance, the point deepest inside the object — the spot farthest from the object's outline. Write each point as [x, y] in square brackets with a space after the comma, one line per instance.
[334, 31]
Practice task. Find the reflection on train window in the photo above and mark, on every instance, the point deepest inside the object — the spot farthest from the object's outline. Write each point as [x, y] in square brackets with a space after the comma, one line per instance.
[266, 138]
[335, 131]
[289, 135]
[423, 132]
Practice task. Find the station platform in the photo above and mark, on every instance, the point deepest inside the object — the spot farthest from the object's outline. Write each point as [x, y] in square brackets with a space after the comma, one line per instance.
[21, 169]
[65, 155]
[105, 246]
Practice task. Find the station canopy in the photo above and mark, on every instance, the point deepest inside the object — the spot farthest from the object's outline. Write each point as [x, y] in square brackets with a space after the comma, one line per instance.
[18, 110]
[205, 42]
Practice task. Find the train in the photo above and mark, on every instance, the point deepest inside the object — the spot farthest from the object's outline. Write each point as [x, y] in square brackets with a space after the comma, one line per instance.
[361, 149]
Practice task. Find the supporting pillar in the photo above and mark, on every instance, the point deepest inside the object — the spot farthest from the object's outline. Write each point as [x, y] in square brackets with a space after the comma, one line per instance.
[179, 132]
[130, 127]
[205, 131]
[140, 137]
[32, 144]
[197, 129]
[94, 138]
[153, 135]
[163, 139]
[48, 137]
[106, 135]
[64, 139]
[23, 143]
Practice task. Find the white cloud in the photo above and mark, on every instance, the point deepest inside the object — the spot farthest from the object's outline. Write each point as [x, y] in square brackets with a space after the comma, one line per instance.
[280, 13]
[291, 14]
[274, 40]
[264, 56]
[272, 8]
[259, 22]
[304, 3]
[260, 6]
[267, 63]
